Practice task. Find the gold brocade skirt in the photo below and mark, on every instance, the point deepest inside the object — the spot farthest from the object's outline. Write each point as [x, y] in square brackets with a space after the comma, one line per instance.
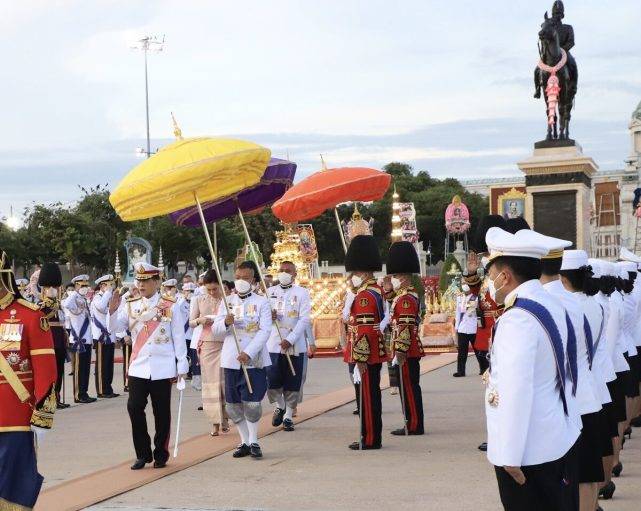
[212, 381]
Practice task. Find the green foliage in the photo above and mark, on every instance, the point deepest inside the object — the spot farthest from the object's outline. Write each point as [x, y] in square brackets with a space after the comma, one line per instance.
[445, 280]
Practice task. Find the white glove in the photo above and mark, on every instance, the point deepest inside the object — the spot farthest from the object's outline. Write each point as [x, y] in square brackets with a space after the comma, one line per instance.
[395, 361]
[356, 375]
[181, 384]
[40, 434]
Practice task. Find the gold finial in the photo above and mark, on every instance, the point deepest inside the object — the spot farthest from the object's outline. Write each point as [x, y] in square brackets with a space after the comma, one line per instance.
[356, 215]
[323, 162]
[177, 131]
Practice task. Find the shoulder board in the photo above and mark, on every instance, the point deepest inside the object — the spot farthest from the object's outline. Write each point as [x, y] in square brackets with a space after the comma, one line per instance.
[28, 304]
[510, 302]
[168, 298]
[133, 299]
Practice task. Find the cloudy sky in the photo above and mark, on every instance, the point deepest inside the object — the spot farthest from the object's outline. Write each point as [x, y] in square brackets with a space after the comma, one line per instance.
[443, 85]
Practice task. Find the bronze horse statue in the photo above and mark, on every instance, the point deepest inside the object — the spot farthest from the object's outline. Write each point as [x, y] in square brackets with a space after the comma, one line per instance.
[560, 91]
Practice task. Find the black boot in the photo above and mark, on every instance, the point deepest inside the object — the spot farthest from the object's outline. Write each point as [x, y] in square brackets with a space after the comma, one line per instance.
[241, 451]
[607, 491]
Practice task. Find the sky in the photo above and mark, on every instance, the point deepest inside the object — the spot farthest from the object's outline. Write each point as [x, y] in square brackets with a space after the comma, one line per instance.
[444, 86]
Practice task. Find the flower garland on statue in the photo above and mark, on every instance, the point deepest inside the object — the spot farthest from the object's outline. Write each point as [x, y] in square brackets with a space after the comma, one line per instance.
[553, 88]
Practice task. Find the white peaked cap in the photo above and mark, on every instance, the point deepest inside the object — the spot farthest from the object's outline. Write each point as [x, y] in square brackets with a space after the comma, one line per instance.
[104, 278]
[628, 266]
[80, 278]
[597, 268]
[628, 255]
[146, 271]
[574, 259]
[170, 283]
[189, 286]
[524, 243]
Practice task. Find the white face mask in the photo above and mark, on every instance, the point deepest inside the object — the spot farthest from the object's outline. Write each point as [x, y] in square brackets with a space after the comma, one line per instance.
[51, 292]
[491, 288]
[396, 283]
[356, 281]
[284, 278]
[242, 286]
[83, 291]
[465, 288]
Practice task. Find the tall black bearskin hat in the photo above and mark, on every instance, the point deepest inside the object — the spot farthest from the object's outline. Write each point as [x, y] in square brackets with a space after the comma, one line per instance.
[50, 275]
[363, 255]
[402, 258]
[7, 279]
[514, 225]
[486, 222]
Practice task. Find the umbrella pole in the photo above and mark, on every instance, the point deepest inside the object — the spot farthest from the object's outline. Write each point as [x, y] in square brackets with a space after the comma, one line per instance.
[215, 239]
[214, 258]
[340, 229]
[262, 281]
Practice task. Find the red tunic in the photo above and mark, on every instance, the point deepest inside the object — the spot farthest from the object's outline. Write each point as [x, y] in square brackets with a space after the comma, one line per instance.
[490, 310]
[405, 320]
[26, 347]
[365, 339]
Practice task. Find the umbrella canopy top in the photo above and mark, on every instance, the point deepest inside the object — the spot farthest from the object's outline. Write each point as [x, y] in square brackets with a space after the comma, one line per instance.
[166, 182]
[326, 189]
[277, 179]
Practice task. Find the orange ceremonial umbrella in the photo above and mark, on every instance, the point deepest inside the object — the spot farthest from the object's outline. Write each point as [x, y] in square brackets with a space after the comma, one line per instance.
[326, 189]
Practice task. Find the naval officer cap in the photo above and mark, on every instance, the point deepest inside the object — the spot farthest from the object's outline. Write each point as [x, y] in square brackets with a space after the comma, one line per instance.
[189, 286]
[524, 243]
[83, 280]
[628, 255]
[105, 278]
[146, 271]
[597, 268]
[170, 283]
[574, 260]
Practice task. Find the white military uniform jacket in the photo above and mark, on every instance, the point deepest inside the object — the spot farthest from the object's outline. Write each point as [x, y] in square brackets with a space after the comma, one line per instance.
[78, 308]
[630, 320]
[185, 306]
[586, 399]
[253, 324]
[527, 425]
[158, 348]
[603, 354]
[466, 321]
[293, 308]
[99, 309]
[619, 346]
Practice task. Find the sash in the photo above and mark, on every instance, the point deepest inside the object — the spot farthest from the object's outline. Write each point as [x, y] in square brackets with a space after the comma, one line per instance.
[598, 339]
[573, 369]
[13, 380]
[105, 337]
[588, 340]
[379, 304]
[186, 326]
[145, 333]
[542, 315]
[79, 344]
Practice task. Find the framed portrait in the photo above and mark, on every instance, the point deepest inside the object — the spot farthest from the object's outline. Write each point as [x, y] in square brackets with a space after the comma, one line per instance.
[512, 204]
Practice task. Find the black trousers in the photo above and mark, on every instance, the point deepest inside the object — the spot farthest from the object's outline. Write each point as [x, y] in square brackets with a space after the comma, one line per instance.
[104, 372]
[550, 486]
[464, 340]
[126, 357]
[61, 358]
[370, 408]
[160, 393]
[81, 368]
[412, 398]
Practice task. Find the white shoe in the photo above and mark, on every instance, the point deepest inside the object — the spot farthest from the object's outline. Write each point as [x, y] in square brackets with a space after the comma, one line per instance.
[196, 383]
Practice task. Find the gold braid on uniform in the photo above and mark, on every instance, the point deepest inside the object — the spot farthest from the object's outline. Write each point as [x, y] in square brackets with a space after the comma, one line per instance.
[360, 350]
[42, 415]
[402, 339]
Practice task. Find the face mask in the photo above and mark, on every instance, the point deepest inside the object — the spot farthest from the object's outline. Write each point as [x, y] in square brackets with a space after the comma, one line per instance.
[357, 281]
[466, 289]
[492, 288]
[83, 291]
[242, 286]
[52, 292]
[284, 278]
[396, 283]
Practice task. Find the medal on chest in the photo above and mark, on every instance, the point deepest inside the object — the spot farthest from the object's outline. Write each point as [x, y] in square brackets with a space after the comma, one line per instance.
[11, 331]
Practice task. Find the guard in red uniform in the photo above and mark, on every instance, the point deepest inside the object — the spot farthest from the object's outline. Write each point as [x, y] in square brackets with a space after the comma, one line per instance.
[474, 276]
[366, 342]
[407, 349]
[27, 395]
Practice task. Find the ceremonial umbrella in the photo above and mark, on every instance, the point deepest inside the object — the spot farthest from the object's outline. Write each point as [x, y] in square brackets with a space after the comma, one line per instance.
[328, 188]
[186, 173]
[275, 182]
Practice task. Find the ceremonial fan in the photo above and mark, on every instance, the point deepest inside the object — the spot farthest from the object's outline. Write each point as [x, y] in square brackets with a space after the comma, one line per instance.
[185, 174]
[326, 189]
[277, 179]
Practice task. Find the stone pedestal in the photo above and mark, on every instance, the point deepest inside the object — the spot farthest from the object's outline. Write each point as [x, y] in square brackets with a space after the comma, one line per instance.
[558, 181]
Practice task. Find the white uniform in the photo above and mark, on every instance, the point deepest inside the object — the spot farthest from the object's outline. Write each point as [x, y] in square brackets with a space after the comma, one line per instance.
[253, 323]
[78, 309]
[159, 350]
[630, 320]
[99, 310]
[293, 308]
[466, 321]
[527, 426]
[619, 340]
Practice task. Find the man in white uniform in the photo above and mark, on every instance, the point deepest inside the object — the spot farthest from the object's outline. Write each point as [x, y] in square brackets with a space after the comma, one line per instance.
[530, 435]
[104, 340]
[465, 325]
[291, 312]
[251, 319]
[158, 355]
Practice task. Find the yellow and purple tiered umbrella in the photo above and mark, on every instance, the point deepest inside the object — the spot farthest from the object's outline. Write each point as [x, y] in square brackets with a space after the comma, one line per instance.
[187, 173]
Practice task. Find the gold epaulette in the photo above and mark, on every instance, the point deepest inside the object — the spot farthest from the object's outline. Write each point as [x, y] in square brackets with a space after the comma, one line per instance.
[375, 288]
[28, 304]
[509, 302]
[168, 298]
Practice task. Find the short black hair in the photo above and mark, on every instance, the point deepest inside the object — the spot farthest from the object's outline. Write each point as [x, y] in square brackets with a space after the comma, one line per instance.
[211, 277]
[523, 268]
[581, 280]
[551, 267]
[250, 265]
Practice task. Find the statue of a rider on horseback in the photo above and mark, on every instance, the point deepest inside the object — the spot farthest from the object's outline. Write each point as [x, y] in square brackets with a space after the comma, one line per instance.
[557, 72]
